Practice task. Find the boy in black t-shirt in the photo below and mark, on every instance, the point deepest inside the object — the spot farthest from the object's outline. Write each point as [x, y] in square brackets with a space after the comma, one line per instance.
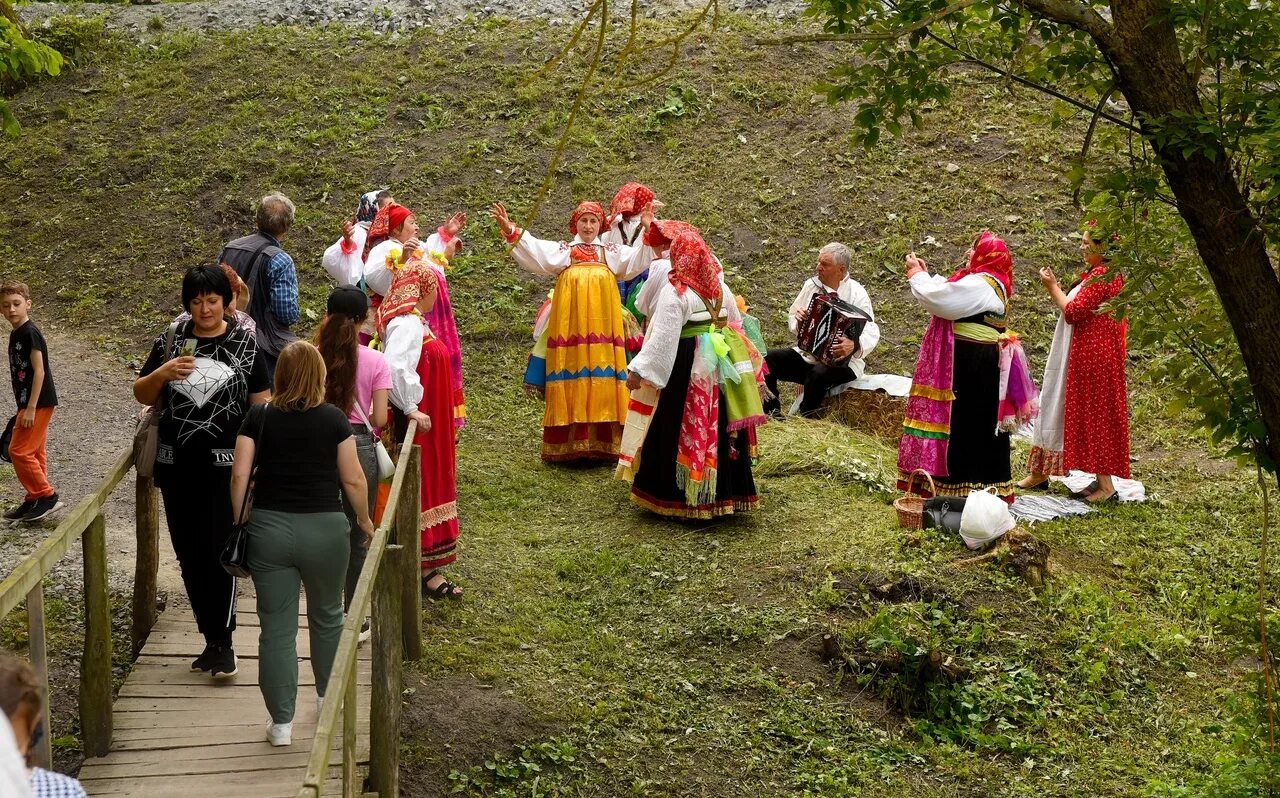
[36, 398]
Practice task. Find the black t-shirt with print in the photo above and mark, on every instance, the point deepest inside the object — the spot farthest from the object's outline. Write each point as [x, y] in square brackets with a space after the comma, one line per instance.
[22, 342]
[297, 458]
[203, 412]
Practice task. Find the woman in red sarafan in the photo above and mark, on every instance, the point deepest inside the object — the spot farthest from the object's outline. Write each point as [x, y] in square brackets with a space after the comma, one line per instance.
[1096, 417]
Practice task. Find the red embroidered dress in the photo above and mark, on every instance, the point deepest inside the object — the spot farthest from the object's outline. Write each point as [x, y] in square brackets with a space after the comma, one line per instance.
[1096, 429]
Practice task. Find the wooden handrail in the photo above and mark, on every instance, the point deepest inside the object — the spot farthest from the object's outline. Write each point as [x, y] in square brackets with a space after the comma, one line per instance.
[26, 582]
[338, 691]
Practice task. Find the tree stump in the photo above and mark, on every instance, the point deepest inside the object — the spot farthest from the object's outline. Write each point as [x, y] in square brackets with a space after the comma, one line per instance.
[1018, 552]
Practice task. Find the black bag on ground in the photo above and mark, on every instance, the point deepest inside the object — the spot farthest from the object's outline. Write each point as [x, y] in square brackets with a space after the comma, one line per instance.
[943, 512]
[235, 553]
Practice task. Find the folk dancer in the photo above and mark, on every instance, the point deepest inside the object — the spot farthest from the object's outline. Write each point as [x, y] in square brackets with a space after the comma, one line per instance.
[579, 363]
[422, 391]
[970, 387]
[695, 396]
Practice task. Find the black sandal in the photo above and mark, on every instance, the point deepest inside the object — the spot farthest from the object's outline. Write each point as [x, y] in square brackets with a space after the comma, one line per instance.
[444, 590]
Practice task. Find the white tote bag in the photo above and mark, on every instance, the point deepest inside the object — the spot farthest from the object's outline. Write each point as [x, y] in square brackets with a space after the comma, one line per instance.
[386, 466]
[986, 517]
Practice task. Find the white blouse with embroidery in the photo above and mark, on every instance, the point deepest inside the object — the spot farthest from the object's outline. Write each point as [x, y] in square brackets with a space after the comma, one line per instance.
[552, 257]
[671, 312]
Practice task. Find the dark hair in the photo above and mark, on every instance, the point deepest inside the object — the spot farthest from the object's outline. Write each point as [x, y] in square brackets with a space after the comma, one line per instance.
[383, 194]
[201, 280]
[339, 342]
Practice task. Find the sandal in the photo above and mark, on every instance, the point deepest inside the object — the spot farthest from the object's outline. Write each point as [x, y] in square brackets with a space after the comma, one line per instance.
[1114, 497]
[444, 590]
[1042, 485]
[1081, 494]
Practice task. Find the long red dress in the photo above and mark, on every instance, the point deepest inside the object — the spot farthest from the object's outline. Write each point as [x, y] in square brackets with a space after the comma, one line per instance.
[1096, 419]
[439, 501]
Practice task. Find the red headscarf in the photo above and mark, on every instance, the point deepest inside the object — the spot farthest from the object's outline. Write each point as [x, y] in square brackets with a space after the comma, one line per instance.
[396, 214]
[583, 209]
[692, 266]
[630, 199]
[990, 256]
[410, 282]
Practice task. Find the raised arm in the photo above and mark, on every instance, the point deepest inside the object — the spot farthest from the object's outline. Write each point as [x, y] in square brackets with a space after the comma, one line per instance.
[967, 296]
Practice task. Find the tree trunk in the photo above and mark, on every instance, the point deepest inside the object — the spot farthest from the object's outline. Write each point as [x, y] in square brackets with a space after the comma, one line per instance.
[1151, 74]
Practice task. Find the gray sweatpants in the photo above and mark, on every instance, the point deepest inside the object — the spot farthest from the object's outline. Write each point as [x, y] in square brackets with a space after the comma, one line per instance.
[368, 456]
[286, 551]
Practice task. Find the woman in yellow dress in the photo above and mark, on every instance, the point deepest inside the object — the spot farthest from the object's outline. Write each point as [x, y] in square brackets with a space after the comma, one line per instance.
[580, 362]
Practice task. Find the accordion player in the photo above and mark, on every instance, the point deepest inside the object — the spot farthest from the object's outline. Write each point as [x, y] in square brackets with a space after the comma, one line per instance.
[831, 319]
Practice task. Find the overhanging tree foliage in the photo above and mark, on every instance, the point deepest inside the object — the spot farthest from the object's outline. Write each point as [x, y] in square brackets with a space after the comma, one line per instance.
[1191, 91]
[21, 58]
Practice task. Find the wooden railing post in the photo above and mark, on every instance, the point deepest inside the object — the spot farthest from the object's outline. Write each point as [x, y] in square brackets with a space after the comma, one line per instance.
[95, 664]
[43, 755]
[408, 535]
[388, 647]
[147, 564]
[350, 789]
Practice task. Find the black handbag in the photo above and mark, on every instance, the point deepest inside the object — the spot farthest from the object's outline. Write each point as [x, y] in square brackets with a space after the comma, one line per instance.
[235, 553]
[943, 512]
[6, 439]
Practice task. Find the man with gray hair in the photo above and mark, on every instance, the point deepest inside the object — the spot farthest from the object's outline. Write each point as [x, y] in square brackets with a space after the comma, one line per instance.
[795, 365]
[271, 276]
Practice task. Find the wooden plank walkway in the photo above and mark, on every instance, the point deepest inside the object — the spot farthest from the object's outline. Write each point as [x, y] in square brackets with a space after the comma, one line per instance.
[182, 733]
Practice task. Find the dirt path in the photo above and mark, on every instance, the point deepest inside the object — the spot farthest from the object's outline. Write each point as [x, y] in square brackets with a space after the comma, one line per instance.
[93, 424]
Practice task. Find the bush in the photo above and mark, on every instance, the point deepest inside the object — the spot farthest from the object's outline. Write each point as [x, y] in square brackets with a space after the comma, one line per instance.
[76, 38]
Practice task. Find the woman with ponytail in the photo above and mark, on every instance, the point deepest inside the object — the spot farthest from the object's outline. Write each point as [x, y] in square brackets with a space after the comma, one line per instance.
[357, 382]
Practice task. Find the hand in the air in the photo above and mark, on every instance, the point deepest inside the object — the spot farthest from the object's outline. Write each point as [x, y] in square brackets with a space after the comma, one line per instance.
[347, 227]
[455, 224]
[1047, 278]
[499, 213]
[646, 216]
[915, 265]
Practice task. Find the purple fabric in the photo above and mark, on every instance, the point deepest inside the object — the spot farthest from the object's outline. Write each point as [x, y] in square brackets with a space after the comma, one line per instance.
[442, 323]
[933, 371]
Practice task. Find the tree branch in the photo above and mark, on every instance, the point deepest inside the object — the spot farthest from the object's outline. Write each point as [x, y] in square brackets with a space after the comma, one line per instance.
[887, 36]
[1075, 15]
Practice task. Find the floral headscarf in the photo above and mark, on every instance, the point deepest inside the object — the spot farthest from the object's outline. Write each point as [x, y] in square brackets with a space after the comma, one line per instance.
[630, 200]
[583, 209]
[990, 256]
[410, 282]
[692, 266]
[379, 230]
[368, 205]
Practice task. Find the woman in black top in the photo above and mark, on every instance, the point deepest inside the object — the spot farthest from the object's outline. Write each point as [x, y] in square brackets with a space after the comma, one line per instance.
[298, 532]
[208, 375]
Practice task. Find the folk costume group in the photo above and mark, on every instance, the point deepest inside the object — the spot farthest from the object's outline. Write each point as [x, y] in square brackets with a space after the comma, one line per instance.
[644, 358]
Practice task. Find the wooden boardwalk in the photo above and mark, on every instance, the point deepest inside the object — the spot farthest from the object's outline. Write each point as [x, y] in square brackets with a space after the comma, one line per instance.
[182, 733]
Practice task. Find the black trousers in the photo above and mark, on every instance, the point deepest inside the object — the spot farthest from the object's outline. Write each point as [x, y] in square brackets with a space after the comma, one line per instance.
[197, 508]
[787, 365]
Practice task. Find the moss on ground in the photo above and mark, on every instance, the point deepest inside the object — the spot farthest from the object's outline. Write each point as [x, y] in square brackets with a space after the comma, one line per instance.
[644, 657]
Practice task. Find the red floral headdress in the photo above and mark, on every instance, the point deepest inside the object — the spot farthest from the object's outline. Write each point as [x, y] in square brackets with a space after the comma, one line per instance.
[630, 200]
[990, 256]
[410, 282]
[583, 209]
[692, 266]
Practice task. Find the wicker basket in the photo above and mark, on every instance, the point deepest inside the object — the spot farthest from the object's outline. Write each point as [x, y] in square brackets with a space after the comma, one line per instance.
[911, 507]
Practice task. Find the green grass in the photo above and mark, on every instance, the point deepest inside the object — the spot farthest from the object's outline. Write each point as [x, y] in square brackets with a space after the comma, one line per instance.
[645, 657]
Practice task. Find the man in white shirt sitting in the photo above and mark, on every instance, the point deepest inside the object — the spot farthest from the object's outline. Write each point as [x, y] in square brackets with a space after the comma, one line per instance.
[793, 365]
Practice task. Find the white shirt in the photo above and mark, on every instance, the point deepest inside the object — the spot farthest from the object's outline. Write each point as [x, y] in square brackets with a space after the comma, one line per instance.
[968, 296]
[376, 274]
[552, 257]
[623, 233]
[13, 773]
[851, 291]
[402, 349]
[347, 268]
[671, 311]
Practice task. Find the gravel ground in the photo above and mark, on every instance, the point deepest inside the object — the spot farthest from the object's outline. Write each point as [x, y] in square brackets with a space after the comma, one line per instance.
[386, 16]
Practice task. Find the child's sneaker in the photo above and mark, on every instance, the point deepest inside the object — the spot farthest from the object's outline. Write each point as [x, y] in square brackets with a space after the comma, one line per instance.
[42, 509]
[18, 512]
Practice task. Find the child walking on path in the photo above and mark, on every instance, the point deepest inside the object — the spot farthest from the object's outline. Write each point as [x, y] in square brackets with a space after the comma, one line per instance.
[35, 396]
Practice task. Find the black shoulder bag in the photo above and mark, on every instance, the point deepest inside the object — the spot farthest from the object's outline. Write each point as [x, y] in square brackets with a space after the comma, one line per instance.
[235, 554]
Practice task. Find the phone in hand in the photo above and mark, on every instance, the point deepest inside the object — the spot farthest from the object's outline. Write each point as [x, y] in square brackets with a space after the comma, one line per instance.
[188, 347]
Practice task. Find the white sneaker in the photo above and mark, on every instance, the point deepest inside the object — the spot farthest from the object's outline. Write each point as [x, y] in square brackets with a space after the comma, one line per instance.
[365, 631]
[280, 734]
[319, 705]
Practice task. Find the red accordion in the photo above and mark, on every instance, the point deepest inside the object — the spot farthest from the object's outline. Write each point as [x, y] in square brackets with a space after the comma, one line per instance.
[831, 319]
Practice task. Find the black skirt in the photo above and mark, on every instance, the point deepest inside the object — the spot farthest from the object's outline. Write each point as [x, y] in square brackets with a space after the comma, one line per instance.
[654, 487]
[977, 455]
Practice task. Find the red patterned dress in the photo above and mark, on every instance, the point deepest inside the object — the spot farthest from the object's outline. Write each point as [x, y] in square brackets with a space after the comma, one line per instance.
[1096, 428]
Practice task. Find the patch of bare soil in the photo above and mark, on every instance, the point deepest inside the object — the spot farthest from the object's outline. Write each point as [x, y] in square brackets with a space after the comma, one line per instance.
[457, 723]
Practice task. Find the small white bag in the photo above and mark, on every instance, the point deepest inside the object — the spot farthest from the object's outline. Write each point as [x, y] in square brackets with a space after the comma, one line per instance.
[386, 466]
[986, 517]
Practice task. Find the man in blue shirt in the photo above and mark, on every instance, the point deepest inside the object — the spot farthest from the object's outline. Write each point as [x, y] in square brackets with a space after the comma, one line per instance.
[271, 276]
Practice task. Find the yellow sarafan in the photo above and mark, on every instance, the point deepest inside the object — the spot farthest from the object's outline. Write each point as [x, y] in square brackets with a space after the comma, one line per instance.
[586, 358]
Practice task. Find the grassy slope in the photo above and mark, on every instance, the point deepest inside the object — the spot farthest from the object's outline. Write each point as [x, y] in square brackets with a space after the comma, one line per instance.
[628, 655]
